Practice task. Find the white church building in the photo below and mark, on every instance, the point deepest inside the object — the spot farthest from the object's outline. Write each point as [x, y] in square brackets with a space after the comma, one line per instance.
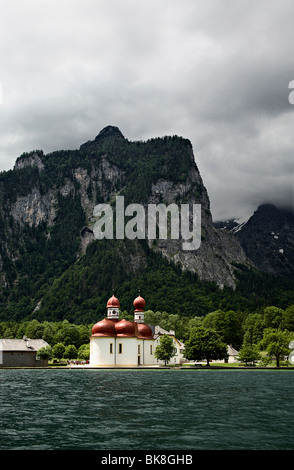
[123, 343]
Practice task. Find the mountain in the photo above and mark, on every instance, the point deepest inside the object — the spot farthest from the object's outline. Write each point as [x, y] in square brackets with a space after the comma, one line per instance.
[268, 240]
[51, 265]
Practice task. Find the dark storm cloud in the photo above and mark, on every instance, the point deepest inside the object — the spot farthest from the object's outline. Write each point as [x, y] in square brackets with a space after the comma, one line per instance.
[215, 72]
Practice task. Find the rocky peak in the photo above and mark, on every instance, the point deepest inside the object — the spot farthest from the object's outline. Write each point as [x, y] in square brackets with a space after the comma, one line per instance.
[109, 131]
[106, 133]
[33, 158]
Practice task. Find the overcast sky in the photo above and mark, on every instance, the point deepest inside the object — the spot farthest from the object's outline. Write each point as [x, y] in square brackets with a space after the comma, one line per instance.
[214, 71]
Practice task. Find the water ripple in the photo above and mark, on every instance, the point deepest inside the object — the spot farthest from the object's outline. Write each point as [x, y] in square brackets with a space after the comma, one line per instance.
[145, 409]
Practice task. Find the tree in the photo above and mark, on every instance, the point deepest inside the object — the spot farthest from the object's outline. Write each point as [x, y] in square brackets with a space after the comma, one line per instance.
[273, 317]
[48, 334]
[34, 330]
[8, 334]
[276, 343]
[70, 352]
[289, 318]
[187, 325]
[84, 333]
[226, 324]
[265, 361]
[70, 334]
[253, 326]
[204, 343]
[165, 349]
[249, 353]
[84, 352]
[45, 353]
[58, 350]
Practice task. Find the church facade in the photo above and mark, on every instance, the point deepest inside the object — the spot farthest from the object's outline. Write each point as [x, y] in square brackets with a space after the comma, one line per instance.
[122, 343]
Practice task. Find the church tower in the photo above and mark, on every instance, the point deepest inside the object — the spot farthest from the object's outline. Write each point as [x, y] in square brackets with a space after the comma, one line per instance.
[113, 308]
[139, 304]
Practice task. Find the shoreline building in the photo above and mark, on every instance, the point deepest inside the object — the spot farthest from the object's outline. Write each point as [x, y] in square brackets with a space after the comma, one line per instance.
[116, 342]
[178, 357]
[21, 352]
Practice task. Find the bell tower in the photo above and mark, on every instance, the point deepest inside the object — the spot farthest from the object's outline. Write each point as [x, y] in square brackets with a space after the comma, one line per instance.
[139, 304]
[113, 308]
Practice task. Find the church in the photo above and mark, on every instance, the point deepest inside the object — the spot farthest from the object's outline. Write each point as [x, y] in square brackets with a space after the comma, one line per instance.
[122, 343]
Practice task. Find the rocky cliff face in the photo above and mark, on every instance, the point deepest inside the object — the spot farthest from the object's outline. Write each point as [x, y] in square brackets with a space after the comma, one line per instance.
[49, 196]
[104, 168]
[34, 208]
[218, 249]
[212, 261]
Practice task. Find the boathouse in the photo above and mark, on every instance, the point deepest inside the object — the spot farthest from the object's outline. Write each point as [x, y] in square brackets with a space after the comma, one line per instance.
[21, 352]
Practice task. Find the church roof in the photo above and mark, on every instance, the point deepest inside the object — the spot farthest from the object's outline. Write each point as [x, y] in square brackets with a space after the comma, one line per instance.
[122, 328]
[112, 326]
[113, 302]
[139, 303]
[104, 327]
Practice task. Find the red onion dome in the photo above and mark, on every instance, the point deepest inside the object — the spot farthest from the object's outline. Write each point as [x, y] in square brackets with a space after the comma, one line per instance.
[104, 327]
[125, 328]
[139, 303]
[113, 302]
[144, 331]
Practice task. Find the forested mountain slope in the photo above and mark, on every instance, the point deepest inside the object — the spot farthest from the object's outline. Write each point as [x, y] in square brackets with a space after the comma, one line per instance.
[52, 268]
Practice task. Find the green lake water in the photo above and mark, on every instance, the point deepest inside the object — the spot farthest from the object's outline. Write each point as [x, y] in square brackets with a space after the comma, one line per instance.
[146, 409]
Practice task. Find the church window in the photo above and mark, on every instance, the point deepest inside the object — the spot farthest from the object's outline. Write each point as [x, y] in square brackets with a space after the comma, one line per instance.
[139, 347]
[111, 348]
[151, 349]
[119, 348]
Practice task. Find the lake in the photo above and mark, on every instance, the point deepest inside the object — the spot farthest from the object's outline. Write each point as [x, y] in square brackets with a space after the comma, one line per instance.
[98, 409]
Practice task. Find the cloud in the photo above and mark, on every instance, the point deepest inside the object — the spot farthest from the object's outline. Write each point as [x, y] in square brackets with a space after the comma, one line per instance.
[215, 72]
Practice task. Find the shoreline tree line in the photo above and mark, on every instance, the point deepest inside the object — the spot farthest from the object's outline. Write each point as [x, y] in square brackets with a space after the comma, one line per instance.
[270, 330]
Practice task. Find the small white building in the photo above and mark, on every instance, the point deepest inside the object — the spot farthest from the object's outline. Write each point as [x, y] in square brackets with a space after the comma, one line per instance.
[233, 354]
[178, 357]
